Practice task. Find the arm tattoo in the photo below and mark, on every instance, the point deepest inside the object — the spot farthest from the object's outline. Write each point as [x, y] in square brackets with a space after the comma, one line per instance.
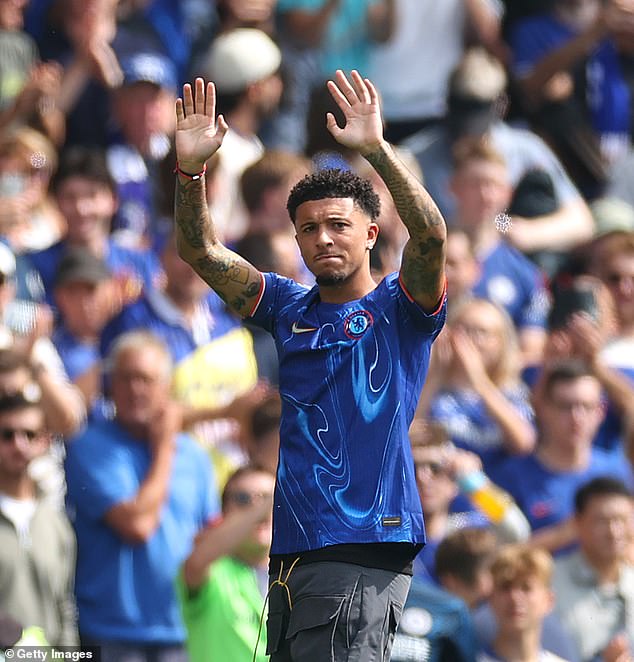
[191, 213]
[414, 205]
[220, 270]
[423, 258]
[232, 278]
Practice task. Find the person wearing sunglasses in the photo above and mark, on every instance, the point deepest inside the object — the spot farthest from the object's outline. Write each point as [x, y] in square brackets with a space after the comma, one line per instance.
[37, 546]
[223, 582]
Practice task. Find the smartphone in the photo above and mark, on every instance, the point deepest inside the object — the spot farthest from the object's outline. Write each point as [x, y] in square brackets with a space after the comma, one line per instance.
[570, 300]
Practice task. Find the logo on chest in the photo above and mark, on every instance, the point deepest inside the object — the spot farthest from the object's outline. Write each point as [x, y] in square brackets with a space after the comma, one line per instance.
[357, 323]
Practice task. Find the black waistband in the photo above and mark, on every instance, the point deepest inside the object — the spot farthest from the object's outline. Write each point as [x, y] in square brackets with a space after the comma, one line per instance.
[393, 556]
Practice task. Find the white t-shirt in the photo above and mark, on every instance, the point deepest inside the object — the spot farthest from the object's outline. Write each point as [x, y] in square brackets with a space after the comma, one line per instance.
[411, 70]
[20, 513]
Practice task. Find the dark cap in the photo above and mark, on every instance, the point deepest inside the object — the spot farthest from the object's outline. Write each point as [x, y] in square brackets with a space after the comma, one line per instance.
[80, 265]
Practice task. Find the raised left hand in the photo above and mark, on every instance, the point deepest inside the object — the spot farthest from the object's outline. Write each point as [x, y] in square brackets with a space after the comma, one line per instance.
[359, 102]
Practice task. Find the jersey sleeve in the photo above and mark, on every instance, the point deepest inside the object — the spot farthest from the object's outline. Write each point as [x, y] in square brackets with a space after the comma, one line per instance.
[428, 322]
[276, 293]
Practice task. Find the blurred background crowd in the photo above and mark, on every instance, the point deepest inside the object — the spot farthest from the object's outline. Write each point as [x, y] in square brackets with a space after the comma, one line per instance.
[139, 418]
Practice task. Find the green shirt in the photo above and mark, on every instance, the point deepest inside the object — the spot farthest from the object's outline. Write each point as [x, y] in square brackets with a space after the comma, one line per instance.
[223, 616]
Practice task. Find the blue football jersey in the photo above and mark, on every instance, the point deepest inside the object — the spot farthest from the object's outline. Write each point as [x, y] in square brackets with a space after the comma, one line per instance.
[350, 379]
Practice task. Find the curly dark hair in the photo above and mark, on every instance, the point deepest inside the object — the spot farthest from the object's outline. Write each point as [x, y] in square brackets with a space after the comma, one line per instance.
[334, 183]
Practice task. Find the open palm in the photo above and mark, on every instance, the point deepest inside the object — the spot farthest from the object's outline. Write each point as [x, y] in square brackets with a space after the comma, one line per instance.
[199, 133]
[359, 103]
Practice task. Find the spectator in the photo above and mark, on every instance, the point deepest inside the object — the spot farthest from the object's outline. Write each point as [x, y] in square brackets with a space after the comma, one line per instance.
[244, 64]
[582, 323]
[87, 197]
[83, 293]
[569, 411]
[37, 547]
[317, 38]
[212, 353]
[594, 586]
[435, 627]
[612, 260]
[77, 35]
[28, 87]
[224, 579]
[264, 439]
[475, 108]
[138, 491]
[446, 479]
[25, 329]
[463, 268]
[29, 219]
[567, 63]
[521, 598]
[474, 388]
[265, 185]
[462, 564]
[425, 31]
[142, 107]
[482, 191]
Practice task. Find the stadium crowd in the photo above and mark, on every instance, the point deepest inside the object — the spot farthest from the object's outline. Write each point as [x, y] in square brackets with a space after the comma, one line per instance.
[139, 417]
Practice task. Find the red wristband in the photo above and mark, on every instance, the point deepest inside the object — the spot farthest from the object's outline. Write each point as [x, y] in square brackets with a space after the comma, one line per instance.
[192, 178]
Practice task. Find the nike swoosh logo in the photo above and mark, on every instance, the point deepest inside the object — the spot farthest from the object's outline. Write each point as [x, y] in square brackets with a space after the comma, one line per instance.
[299, 329]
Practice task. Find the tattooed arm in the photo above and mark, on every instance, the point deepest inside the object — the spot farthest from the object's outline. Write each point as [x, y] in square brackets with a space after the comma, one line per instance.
[198, 136]
[423, 266]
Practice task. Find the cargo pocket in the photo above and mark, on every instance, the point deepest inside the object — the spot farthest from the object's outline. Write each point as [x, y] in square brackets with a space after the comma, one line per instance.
[276, 623]
[315, 626]
[393, 617]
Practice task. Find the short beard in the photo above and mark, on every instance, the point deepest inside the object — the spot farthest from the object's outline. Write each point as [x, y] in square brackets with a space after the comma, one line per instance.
[331, 280]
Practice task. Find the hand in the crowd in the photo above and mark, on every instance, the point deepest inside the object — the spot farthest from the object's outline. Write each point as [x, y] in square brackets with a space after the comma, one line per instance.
[242, 407]
[42, 327]
[460, 462]
[618, 650]
[166, 424]
[468, 357]
[585, 336]
[199, 133]
[359, 102]
[44, 82]
[441, 354]
[558, 346]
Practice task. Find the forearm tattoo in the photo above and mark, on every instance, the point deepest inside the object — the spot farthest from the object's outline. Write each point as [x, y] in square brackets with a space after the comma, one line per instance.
[231, 277]
[191, 213]
[423, 259]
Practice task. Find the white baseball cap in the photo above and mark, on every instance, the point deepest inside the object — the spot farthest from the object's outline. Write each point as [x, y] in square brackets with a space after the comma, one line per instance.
[240, 57]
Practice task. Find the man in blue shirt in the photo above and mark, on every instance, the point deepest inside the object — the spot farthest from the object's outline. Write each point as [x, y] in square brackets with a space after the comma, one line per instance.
[138, 492]
[353, 358]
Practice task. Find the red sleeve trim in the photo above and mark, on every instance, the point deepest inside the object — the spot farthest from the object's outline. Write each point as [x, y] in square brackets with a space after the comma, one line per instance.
[259, 297]
[411, 298]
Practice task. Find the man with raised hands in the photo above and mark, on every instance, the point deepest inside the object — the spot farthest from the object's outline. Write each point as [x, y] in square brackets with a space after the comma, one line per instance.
[347, 519]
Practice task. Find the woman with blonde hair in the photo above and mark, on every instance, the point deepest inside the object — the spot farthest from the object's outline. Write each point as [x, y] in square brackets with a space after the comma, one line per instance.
[474, 388]
[29, 219]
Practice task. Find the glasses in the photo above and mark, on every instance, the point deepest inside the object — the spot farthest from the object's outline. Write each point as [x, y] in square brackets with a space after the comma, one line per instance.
[247, 498]
[577, 405]
[435, 468]
[616, 278]
[9, 434]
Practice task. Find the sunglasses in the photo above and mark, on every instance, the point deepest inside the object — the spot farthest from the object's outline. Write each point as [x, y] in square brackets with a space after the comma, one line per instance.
[246, 498]
[9, 434]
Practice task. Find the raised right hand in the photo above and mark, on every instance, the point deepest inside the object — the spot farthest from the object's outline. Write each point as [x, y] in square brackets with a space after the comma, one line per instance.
[199, 133]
